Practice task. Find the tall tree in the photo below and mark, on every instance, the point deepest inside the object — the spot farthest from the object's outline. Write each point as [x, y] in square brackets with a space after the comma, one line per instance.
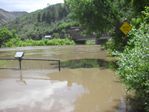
[39, 17]
[5, 35]
[139, 5]
[43, 16]
[95, 15]
[100, 15]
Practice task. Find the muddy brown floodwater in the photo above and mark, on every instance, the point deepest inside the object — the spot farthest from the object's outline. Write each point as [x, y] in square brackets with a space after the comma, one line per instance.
[84, 84]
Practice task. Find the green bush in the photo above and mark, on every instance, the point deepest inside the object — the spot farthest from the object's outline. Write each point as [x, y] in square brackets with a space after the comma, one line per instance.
[12, 42]
[16, 42]
[5, 36]
[134, 64]
[110, 46]
[90, 42]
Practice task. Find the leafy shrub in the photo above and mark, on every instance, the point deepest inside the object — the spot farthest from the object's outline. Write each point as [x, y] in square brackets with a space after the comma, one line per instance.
[134, 63]
[90, 42]
[5, 35]
[67, 24]
[110, 46]
[19, 43]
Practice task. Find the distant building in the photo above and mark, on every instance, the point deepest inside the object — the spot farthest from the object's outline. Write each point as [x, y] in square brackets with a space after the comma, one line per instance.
[78, 37]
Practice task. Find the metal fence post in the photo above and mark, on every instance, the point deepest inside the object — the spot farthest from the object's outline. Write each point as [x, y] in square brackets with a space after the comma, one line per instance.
[59, 65]
[20, 60]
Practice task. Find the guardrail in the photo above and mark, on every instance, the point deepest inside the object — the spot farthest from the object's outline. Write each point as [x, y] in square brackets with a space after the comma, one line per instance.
[33, 59]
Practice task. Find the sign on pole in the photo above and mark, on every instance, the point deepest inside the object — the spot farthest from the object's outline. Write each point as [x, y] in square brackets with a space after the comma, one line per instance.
[125, 27]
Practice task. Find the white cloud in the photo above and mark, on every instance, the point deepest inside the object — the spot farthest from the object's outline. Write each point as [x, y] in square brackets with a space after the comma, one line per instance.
[26, 5]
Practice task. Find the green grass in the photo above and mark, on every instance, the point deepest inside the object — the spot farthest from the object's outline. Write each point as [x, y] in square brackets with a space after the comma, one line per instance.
[2, 63]
[44, 42]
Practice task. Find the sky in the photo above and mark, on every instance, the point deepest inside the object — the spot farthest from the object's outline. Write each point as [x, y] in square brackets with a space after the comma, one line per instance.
[26, 5]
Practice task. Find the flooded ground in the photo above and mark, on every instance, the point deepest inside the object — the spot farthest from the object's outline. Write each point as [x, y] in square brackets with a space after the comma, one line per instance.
[84, 84]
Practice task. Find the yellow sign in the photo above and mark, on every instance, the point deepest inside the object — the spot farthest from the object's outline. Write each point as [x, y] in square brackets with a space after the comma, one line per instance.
[125, 27]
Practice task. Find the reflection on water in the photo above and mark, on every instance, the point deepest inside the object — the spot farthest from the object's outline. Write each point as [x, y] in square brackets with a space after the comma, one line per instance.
[88, 63]
[21, 80]
[78, 90]
[103, 91]
[38, 95]
[41, 88]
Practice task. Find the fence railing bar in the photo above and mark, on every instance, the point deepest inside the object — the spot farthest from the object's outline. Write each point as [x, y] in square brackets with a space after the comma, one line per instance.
[39, 59]
[8, 59]
[33, 59]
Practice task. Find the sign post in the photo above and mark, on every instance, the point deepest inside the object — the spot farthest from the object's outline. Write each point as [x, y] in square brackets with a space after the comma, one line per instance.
[19, 56]
[125, 27]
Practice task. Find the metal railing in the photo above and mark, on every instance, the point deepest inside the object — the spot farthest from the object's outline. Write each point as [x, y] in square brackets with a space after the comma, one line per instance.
[33, 59]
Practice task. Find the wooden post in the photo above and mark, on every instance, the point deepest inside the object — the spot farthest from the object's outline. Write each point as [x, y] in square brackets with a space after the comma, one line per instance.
[59, 65]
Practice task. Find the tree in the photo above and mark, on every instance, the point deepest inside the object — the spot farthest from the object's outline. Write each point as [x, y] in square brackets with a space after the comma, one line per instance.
[139, 5]
[43, 16]
[5, 35]
[39, 17]
[48, 17]
[106, 15]
[97, 15]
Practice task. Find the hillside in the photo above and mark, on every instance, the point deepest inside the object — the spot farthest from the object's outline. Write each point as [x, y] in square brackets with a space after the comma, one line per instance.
[41, 22]
[6, 16]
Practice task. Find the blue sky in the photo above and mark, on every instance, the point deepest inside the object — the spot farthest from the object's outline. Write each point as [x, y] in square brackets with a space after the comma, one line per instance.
[26, 5]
